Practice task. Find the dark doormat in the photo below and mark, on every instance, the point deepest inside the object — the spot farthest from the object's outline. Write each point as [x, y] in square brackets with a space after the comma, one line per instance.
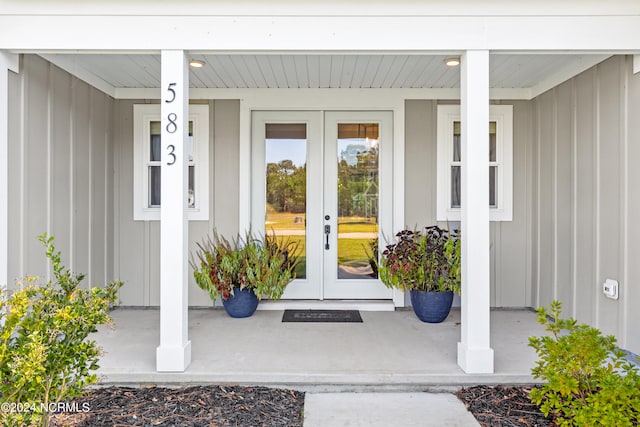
[322, 316]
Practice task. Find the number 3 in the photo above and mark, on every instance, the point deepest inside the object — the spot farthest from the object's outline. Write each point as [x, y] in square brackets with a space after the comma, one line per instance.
[171, 149]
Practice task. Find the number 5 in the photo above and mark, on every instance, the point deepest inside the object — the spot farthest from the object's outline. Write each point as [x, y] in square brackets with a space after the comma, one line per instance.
[173, 93]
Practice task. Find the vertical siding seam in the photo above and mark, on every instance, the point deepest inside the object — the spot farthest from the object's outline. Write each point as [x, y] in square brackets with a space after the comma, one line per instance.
[90, 142]
[105, 195]
[49, 172]
[498, 288]
[537, 212]
[574, 198]
[115, 176]
[24, 135]
[147, 265]
[554, 199]
[212, 164]
[212, 171]
[527, 211]
[72, 175]
[597, 191]
[624, 260]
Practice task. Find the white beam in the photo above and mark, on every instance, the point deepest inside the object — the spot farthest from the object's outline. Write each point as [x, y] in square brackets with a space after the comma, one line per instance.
[474, 352]
[328, 7]
[7, 62]
[636, 64]
[199, 32]
[174, 352]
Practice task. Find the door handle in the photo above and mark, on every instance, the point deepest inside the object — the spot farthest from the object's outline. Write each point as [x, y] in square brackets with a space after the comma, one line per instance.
[327, 231]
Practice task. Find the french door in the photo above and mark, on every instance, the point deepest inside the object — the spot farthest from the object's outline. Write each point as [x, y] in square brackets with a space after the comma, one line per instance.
[322, 180]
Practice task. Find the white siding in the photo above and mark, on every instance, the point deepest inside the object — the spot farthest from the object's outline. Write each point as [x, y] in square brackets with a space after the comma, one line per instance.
[586, 204]
[59, 172]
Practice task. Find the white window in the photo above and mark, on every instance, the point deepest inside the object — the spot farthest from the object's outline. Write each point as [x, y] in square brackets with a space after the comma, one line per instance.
[500, 163]
[147, 166]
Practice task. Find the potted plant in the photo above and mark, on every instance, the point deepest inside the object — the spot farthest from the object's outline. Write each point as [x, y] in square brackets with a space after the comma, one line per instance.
[244, 270]
[426, 264]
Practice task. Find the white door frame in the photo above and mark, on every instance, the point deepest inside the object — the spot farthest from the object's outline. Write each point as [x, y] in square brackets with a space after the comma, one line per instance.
[323, 100]
[321, 281]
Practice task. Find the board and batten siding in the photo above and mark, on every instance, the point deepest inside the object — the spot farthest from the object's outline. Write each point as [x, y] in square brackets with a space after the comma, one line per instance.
[137, 243]
[510, 240]
[60, 173]
[586, 204]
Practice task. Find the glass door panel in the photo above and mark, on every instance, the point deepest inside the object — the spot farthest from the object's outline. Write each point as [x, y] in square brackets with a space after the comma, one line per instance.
[286, 189]
[358, 197]
[286, 186]
[357, 202]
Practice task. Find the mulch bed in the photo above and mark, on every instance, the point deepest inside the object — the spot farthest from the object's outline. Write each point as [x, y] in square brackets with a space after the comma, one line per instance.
[503, 406]
[209, 406]
[219, 406]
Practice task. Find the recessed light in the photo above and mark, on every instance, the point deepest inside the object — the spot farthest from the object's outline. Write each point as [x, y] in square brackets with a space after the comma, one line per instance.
[195, 63]
[452, 62]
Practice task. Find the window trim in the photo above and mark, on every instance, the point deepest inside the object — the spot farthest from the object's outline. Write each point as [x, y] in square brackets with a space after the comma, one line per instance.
[503, 116]
[143, 115]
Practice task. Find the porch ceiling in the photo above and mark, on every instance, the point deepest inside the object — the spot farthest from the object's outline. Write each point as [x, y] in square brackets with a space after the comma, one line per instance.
[535, 72]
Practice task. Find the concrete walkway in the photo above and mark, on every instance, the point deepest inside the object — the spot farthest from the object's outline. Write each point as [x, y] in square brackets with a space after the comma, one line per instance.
[385, 410]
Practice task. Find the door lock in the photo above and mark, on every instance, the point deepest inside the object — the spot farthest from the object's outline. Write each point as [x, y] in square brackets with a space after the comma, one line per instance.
[327, 231]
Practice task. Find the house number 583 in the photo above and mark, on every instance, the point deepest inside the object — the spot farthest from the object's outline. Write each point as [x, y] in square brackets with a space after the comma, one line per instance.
[172, 126]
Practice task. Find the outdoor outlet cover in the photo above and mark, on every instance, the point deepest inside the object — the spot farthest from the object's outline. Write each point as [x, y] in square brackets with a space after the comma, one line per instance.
[610, 289]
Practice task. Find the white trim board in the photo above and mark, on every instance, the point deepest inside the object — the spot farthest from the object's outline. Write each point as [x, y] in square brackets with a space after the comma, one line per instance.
[8, 62]
[343, 33]
[329, 8]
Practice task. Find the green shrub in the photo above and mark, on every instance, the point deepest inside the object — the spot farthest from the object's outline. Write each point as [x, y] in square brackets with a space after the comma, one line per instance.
[45, 356]
[587, 379]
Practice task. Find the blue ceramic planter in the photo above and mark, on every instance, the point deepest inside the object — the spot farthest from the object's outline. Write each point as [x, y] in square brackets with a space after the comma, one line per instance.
[242, 304]
[431, 307]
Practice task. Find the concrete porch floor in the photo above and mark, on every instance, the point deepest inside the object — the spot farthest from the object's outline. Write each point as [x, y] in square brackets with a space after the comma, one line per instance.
[388, 351]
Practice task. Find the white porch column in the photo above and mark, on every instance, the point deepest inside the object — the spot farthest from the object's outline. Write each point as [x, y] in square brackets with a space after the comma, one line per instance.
[8, 62]
[174, 352]
[474, 354]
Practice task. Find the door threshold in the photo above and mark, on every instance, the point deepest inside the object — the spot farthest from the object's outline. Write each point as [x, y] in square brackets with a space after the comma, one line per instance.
[362, 305]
